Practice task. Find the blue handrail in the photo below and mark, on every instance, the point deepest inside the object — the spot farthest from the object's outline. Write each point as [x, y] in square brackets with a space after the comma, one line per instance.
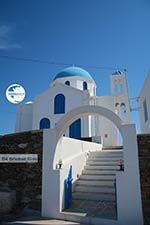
[68, 189]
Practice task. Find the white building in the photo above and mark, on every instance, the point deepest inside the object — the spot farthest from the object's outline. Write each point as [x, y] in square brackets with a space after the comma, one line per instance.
[144, 106]
[71, 88]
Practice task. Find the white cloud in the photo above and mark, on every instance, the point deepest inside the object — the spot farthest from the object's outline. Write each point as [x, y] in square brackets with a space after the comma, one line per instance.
[6, 40]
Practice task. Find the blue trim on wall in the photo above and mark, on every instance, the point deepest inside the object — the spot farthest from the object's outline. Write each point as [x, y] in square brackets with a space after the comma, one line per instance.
[68, 189]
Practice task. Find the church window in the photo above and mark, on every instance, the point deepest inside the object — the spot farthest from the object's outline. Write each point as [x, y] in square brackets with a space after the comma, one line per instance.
[121, 88]
[59, 104]
[67, 82]
[115, 88]
[44, 123]
[117, 107]
[123, 109]
[84, 85]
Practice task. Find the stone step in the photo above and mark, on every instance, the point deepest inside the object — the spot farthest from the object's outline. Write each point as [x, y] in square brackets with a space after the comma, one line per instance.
[104, 159]
[93, 196]
[90, 183]
[97, 177]
[101, 163]
[103, 167]
[108, 152]
[91, 189]
[98, 172]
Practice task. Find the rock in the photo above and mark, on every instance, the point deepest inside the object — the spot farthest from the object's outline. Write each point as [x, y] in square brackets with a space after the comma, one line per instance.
[25, 200]
[7, 201]
[23, 145]
[38, 197]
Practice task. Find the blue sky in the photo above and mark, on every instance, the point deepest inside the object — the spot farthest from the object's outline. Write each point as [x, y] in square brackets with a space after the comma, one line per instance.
[102, 33]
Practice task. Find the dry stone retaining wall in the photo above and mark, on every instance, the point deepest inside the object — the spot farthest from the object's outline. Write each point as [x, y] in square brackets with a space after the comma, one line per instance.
[144, 163]
[24, 179]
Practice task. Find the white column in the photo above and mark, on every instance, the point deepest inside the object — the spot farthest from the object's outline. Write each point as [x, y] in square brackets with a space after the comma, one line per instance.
[50, 177]
[128, 182]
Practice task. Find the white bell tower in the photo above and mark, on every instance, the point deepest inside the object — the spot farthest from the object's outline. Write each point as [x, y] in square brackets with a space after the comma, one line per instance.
[119, 90]
[119, 83]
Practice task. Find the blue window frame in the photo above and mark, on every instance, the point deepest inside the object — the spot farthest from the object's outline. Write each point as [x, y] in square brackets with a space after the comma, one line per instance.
[59, 104]
[44, 123]
[84, 85]
[67, 82]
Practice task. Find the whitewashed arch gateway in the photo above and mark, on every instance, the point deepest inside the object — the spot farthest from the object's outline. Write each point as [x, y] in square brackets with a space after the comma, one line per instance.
[129, 206]
[76, 113]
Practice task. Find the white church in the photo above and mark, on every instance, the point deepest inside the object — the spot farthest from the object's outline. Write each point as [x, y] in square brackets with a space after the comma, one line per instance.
[71, 88]
[82, 162]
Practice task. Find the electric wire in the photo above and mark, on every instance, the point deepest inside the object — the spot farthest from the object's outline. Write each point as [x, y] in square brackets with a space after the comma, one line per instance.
[33, 60]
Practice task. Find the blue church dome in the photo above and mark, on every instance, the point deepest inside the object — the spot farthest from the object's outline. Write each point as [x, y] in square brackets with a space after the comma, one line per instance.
[72, 72]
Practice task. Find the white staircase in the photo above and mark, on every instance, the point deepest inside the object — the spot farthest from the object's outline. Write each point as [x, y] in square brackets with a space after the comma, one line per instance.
[95, 190]
[97, 181]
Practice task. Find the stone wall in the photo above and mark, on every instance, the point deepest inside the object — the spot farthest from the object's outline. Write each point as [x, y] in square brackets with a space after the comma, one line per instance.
[25, 179]
[144, 163]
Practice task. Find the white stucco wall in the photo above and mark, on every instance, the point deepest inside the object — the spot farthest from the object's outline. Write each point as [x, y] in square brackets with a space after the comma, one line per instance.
[102, 126]
[68, 149]
[129, 200]
[145, 96]
[110, 101]
[77, 82]
[44, 106]
[24, 117]
[106, 130]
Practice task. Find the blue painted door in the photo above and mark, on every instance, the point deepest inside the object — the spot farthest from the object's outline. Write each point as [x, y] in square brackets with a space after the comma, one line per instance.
[75, 129]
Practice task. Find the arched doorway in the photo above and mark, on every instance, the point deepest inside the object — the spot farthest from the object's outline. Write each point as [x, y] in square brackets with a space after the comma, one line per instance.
[75, 129]
[128, 189]
[74, 115]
